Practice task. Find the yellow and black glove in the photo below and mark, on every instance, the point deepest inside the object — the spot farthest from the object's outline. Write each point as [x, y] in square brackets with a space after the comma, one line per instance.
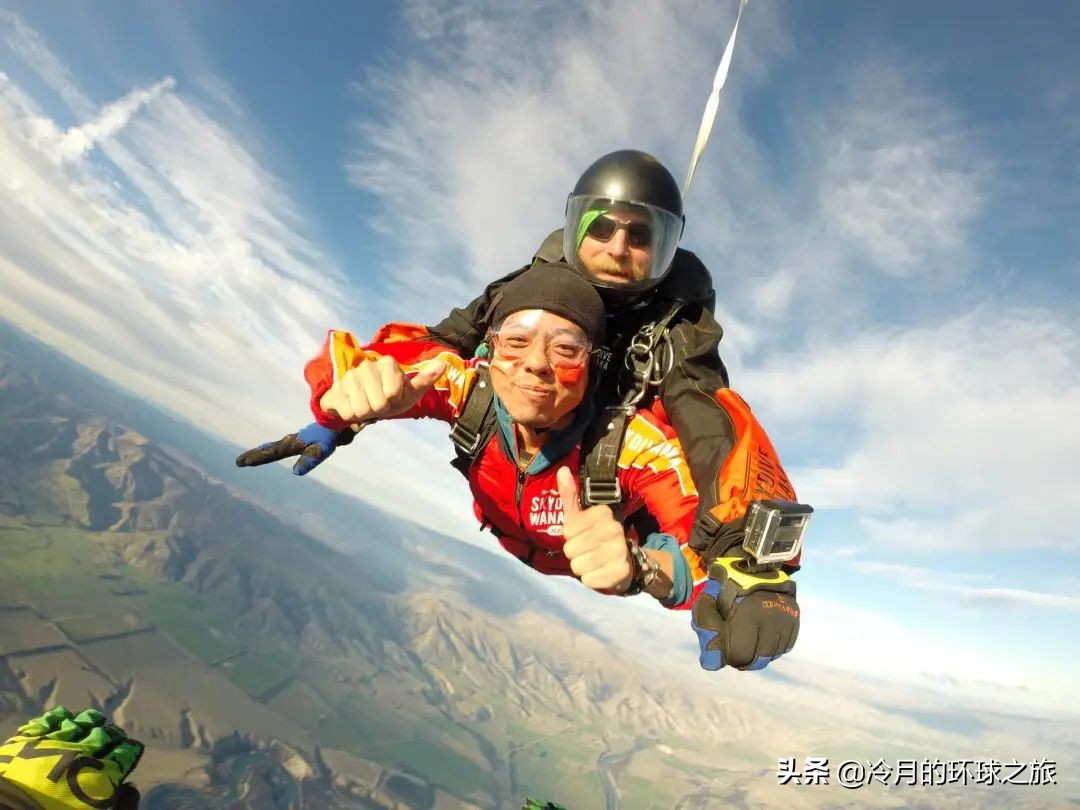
[60, 761]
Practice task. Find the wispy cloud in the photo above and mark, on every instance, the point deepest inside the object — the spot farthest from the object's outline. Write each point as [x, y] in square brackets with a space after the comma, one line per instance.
[945, 436]
[148, 242]
[496, 113]
[25, 42]
[868, 638]
[959, 586]
[897, 185]
[77, 141]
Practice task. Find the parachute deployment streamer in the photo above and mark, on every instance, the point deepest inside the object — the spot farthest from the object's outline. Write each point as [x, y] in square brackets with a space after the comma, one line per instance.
[713, 103]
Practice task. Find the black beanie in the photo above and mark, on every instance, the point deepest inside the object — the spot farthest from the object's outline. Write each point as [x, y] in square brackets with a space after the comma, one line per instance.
[554, 287]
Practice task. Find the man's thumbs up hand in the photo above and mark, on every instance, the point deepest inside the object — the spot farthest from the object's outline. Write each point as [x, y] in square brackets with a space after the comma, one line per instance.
[593, 541]
[379, 389]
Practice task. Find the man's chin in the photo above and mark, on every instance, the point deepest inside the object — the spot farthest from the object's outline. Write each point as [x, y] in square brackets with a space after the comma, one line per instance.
[617, 275]
[529, 418]
[535, 421]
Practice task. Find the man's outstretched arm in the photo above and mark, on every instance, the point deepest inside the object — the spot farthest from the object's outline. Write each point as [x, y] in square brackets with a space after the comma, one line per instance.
[314, 443]
[462, 331]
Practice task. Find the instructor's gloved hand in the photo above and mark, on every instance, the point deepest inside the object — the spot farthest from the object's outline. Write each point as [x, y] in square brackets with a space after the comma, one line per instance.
[60, 761]
[314, 444]
[760, 627]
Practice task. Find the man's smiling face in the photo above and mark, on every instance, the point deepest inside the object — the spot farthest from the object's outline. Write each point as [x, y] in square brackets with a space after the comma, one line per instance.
[537, 368]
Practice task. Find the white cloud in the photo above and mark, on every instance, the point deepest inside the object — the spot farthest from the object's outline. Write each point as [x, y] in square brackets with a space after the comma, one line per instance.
[862, 639]
[169, 260]
[929, 579]
[857, 639]
[897, 184]
[77, 141]
[27, 44]
[957, 435]
[492, 124]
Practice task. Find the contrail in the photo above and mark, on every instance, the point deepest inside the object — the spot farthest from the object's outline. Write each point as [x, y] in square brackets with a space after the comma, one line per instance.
[78, 141]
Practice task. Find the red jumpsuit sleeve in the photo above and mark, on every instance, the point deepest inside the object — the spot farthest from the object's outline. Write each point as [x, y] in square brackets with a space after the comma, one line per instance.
[342, 352]
[654, 473]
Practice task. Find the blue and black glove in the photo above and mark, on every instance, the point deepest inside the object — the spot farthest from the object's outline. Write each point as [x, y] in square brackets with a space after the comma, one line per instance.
[313, 444]
[744, 620]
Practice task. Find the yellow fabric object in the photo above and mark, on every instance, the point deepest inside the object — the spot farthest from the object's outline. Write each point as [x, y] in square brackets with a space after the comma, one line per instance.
[747, 582]
[59, 775]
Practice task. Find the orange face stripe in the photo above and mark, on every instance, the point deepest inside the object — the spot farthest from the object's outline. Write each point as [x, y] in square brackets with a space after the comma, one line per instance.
[568, 375]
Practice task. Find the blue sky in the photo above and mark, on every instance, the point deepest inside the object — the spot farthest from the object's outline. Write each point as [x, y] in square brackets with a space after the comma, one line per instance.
[192, 193]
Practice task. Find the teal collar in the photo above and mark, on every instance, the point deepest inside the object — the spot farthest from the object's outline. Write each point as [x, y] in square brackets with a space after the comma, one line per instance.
[559, 442]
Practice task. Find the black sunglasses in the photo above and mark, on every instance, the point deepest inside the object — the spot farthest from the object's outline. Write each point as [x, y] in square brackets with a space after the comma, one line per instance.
[638, 234]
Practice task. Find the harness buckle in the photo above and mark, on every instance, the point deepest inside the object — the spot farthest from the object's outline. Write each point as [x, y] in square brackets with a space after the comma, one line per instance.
[602, 493]
[468, 430]
[468, 441]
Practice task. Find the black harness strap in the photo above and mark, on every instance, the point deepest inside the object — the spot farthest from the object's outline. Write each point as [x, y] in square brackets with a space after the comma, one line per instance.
[599, 466]
[599, 472]
[476, 423]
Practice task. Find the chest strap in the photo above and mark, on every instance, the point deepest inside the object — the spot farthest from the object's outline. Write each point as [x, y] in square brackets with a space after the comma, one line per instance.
[476, 423]
[648, 358]
[599, 468]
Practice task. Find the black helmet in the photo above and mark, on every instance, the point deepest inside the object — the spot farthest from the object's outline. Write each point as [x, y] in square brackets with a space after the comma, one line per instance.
[632, 182]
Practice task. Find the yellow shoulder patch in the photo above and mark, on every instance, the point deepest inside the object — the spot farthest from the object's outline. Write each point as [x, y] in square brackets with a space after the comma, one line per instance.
[645, 445]
[456, 381]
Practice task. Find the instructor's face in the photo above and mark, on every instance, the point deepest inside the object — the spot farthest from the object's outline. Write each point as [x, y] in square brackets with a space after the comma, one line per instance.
[537, 368]
[618, 259]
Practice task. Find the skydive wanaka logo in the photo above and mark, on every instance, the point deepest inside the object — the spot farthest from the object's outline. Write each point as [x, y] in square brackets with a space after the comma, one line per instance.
[546, 513]
[602, 358]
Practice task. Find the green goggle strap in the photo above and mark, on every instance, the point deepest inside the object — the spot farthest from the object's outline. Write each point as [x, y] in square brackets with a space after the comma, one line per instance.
[587, 220]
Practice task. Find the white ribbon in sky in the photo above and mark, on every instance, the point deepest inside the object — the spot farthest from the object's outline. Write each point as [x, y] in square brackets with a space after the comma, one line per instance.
[714, 101]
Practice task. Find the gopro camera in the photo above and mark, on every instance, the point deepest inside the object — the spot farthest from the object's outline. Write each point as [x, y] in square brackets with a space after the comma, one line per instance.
[774, 530]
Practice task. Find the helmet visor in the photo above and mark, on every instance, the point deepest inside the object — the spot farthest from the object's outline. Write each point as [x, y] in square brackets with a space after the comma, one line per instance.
[631, 244]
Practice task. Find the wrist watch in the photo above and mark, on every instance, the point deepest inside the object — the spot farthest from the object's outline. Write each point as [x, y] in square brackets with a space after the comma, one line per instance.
[648, 575]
